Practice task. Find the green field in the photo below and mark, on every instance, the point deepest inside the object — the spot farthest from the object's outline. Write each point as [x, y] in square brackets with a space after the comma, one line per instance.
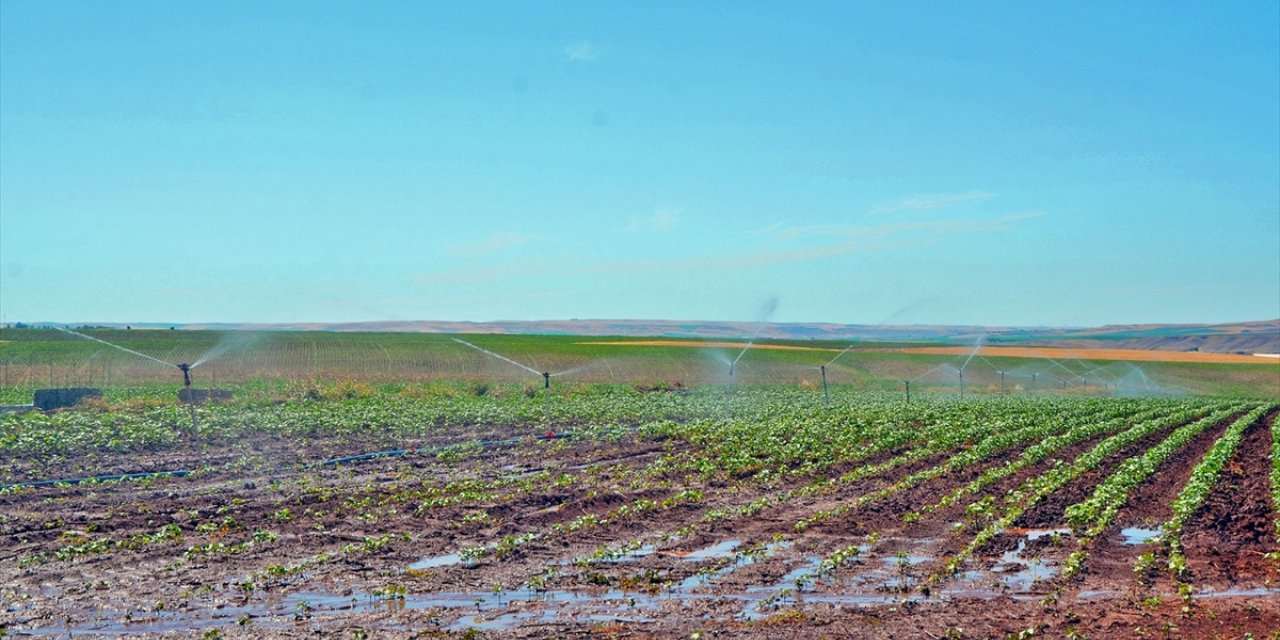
[31, 359]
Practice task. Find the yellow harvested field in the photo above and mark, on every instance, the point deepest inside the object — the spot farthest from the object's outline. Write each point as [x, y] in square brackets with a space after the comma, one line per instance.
[696, 343]
[1132, 355]
[1057, 353]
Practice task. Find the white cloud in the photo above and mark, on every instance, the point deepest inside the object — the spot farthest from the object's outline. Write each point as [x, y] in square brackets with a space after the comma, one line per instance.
[935, 201]
[493, 244]
[663, 219]
[581, 52]
[933, 228]
[840, 241]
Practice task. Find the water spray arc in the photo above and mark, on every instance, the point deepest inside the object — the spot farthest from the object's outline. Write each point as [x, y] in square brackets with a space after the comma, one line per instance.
[826, 395]
[976, 347]
[184, 368]
[546, 375]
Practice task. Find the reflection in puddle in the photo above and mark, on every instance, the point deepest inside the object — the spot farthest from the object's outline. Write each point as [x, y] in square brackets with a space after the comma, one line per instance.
[883, 581]
[722, 549]
[631, 556]
[446, 560]
[1139, 535]
[489, 611]
[702, 578]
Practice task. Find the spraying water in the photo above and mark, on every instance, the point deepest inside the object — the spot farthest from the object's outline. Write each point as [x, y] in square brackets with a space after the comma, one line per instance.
[942, 367]
[116, 346]
[546, 377]
[230, 341]
[766, 312]
[976, 347]
[842, 352]
[184, 368]
[500, 357]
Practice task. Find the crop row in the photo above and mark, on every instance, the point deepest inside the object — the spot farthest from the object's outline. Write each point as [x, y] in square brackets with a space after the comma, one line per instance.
[1092, 515]
[1198, 486]
[1037, 488]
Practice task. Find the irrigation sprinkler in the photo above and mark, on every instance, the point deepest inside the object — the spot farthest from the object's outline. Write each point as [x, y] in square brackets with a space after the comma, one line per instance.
[908, 385]
[977, 346]
[826, 395]
[546, 375]
[546, 397]
[1001, 381]
[191, 398]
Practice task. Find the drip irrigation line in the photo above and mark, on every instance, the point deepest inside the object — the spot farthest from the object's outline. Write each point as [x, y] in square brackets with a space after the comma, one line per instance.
[112, 477]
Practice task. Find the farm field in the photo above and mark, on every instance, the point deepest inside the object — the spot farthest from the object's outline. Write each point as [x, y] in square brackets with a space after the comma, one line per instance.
[410, 486]
[654, 512]
[31, 359]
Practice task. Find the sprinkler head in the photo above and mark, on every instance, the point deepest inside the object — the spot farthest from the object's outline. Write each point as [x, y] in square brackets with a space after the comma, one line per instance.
[546, 379]
[186, 374]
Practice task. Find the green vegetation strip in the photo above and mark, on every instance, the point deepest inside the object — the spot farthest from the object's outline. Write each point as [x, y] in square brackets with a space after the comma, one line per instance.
[1037, 488]
[1275, 472]
[1093, 515]
[1040, 451]
[1199, 485]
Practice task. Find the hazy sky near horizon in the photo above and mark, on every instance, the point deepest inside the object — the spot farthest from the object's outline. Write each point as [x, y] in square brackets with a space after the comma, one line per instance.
[1011, 163]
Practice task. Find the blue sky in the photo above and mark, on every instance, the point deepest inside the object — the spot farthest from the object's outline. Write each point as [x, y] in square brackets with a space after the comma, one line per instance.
[1027, 163]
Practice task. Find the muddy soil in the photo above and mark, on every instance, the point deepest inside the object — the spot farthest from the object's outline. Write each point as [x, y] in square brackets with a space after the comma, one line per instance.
[1114, 553]
[256, 450]
[280, 551]
[1236, 525]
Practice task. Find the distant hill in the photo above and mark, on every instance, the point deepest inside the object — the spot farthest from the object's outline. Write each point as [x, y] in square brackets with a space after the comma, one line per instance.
[1241, 337]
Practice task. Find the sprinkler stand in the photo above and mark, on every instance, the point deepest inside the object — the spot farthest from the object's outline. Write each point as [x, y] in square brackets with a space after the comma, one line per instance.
[191, 399]
[826, 395]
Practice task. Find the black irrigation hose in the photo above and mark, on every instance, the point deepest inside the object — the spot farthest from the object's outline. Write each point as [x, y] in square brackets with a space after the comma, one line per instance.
[137, 475]
[393, 453]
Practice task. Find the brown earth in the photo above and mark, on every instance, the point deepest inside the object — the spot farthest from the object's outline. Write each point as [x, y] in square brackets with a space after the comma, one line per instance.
[1111, 560]
[1236, 525]
[428, 506]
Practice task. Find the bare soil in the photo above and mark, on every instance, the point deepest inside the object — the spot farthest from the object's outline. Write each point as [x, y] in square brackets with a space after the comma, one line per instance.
[263, 547]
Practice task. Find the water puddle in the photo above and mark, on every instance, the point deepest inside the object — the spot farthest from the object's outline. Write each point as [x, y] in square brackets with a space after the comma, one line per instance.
[632, 556]
[447, 560]
[881, 580]
[781, 594]
[1019, 569]
[1139, 535]
[1239, 592]
[746, 559]
[723, 549]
